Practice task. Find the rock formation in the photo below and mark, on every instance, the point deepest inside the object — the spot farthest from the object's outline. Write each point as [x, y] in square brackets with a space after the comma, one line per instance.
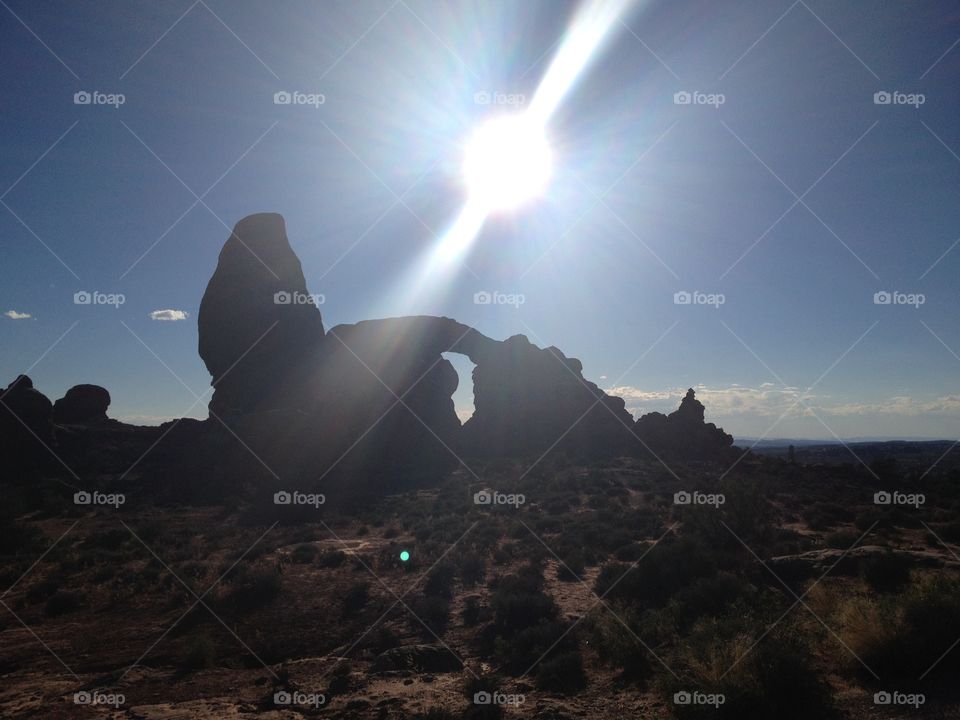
[82, 404]
[258, 325]
[26, 424]
[683, 432]
[363, 407]
[376, 397]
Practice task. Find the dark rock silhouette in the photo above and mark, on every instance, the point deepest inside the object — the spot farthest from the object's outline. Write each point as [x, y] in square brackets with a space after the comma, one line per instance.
[258, 325]
[26, 425]
[376, 396]
[683, 432]
[364, 408]
[82, 404]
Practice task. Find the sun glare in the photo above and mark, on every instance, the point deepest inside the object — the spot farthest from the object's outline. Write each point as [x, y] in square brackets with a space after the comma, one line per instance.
[507, 163]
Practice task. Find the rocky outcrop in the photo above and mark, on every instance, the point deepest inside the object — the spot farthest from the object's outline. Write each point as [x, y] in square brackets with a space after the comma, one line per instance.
[373, 400]
[26, 425]
[259, 328]
[82, 404]
[682, 432]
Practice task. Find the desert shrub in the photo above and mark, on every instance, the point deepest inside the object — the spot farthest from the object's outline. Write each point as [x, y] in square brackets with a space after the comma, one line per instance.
[471, 612]
[773, 678]
[475, 687]
[652, 581]
[434, 612]
[707, 597]
[615, 646]
[61, 603]
[201, 653]
[841, 539]
[886, 573]
[253, 588]
[473, 569]
[562, 673]
[355, 599]
[572, 568]
[518, 602]
[42, 590]
[303, 554]
[331, 559]
[440, 581]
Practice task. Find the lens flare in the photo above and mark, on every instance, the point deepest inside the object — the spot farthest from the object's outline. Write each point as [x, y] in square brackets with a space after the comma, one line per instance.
[507, 163]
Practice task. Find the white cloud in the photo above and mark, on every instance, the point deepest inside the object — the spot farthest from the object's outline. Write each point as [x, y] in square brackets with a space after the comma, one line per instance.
[170, 315]
[14, 315]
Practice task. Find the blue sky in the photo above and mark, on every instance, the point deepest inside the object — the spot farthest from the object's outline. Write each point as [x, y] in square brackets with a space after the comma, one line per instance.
[649, 197]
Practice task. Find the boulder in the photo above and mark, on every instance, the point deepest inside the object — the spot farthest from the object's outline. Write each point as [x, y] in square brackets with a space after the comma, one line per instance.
[82, 404]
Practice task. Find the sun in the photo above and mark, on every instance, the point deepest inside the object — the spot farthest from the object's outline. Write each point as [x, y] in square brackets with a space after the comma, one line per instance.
[507, 162]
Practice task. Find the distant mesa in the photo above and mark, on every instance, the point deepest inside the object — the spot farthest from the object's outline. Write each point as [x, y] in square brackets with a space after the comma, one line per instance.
[367, 405]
